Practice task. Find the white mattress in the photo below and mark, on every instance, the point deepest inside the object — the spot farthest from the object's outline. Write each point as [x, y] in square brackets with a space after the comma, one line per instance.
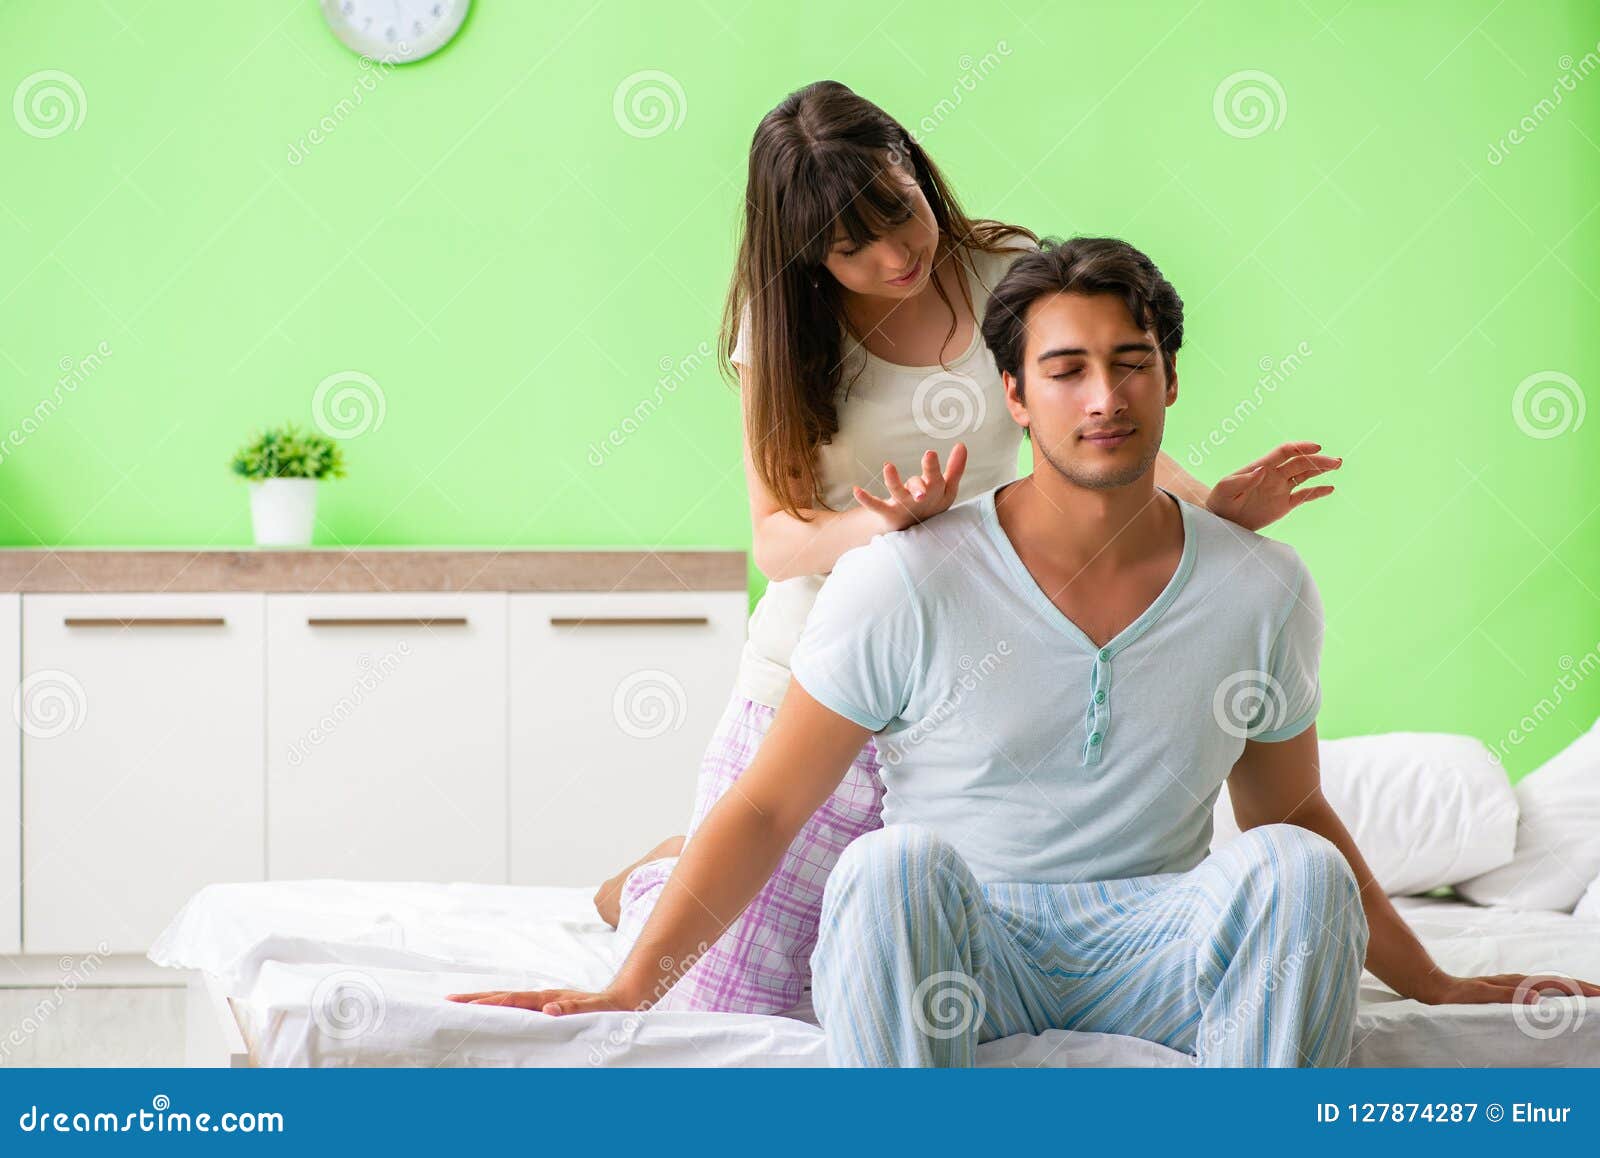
[341, 973]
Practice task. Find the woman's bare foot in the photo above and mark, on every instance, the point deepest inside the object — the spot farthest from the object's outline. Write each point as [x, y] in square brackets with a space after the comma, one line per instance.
[608, 900]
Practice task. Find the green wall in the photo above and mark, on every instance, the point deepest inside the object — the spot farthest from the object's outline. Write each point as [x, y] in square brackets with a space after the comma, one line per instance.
[517, 274]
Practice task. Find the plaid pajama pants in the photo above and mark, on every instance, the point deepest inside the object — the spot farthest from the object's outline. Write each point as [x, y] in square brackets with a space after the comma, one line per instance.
[1251, 958]
[761, 964]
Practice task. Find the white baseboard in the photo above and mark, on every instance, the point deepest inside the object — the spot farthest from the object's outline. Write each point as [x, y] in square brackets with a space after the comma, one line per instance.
[88, 971]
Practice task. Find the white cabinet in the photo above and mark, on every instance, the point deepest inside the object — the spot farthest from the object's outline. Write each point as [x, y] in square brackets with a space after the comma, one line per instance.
[613, 699]
[10, 775]
[386, 736]
[142, 761]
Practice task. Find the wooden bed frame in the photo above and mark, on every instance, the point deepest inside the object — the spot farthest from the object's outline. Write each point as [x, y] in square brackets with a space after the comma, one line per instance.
[212, 1036]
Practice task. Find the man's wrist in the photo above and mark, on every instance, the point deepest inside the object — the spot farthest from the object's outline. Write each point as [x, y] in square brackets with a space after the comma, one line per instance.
[1427, 987]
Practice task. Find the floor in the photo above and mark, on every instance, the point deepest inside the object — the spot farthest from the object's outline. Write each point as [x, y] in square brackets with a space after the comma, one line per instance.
[92, 1027]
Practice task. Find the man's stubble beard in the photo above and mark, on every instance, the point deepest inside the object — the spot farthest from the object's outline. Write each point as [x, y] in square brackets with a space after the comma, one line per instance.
[1099, 482]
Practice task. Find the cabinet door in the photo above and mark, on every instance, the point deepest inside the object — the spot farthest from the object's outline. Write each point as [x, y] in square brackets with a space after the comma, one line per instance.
[613, 698]
[386, 737]
[10, 775]
[142, 761]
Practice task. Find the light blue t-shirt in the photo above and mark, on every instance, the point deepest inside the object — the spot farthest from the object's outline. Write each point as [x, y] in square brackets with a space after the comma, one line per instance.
[1003, 728]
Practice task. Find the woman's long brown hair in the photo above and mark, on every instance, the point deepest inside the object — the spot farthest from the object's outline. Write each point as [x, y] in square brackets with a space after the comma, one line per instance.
[825, 159]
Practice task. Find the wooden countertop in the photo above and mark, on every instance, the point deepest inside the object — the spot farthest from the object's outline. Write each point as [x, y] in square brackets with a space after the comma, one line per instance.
[335, 569]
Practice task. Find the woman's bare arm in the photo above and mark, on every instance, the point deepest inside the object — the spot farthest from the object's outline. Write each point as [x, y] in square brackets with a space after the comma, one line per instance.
[1259, 493]
[785, 546]
[1172, 477]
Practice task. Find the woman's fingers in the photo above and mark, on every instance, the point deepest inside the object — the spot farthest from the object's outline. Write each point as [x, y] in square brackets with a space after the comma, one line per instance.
[955, 466]
[1304, 466]
[897, 489]
[1241, 483]
[1310, 494]
[873, 503]
[1278, 455]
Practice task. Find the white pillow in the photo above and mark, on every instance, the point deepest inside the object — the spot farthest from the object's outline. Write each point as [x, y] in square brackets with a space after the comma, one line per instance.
[1425, 809]
[1589, 906]
[1558, 835]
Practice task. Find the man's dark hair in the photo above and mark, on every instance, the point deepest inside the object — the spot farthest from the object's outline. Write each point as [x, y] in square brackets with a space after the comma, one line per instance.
[1083, 265]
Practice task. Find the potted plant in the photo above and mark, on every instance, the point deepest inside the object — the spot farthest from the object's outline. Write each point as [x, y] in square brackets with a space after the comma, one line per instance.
[283, 466]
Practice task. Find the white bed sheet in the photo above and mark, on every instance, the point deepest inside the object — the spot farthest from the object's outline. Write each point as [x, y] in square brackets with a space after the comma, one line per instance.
[340, 973]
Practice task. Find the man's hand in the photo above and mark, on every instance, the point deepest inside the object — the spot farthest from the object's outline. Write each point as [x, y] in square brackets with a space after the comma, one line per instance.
[555, 1002]
[1263, 492]
[1441, 988]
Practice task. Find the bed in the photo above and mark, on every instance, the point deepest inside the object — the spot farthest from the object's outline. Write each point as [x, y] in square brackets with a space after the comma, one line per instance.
[342, 973]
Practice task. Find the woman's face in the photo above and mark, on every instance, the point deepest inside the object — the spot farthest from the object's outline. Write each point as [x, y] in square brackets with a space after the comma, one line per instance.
[896, 265]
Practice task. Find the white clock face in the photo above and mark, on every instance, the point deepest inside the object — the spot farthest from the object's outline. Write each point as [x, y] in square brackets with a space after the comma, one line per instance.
[395, 30]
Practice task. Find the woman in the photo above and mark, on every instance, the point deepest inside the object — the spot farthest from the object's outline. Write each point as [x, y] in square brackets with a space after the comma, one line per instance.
[853, 321]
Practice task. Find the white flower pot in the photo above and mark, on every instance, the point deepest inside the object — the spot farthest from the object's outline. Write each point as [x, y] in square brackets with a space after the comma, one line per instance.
[283, 511]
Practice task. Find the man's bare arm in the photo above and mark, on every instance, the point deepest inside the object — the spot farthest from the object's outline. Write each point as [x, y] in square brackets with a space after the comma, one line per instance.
[1281, 783]
[733, 853]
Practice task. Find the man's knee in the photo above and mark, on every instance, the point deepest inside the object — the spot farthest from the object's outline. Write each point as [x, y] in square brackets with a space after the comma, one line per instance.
[882, 856]
[897, 868]
[1298, 867]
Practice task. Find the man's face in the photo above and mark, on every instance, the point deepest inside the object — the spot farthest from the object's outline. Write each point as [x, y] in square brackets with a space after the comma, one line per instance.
[1095, 390]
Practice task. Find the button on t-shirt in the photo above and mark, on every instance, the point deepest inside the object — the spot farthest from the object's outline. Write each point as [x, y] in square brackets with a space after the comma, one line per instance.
[1004, 729]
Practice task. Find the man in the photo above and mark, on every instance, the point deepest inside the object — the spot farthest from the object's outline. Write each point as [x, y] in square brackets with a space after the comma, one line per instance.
[1061, 674]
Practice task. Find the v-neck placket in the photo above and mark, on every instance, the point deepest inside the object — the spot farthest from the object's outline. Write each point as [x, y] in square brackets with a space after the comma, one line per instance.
[1097, 712]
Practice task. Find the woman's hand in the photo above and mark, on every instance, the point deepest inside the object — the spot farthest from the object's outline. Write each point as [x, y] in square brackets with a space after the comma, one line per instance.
[921, 496]
[1515, 988]
[556, 1002]
[1263, 492]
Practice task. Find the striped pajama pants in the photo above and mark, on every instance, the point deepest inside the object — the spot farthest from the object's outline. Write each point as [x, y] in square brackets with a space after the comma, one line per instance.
[1252, 958]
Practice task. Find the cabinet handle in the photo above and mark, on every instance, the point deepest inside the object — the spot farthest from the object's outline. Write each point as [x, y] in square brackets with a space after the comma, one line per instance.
[386, 621]
[628, 621]
[144, 621]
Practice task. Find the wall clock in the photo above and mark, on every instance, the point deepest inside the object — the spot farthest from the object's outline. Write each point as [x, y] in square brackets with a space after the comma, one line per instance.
[395, 30]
